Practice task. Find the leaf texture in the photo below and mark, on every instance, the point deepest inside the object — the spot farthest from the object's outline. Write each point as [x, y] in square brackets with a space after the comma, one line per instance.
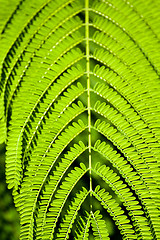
[80, 115]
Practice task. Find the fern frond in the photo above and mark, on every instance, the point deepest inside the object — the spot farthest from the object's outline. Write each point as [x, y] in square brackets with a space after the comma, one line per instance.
[40, 175]
[99, 227]
[55, 179]
[125, 194]
[60, 200]
[123, 144]
[136, 136]
[16, 156]
[66, 225]
[83, 229]
[133, 179]
[79, 84]
[116, 212]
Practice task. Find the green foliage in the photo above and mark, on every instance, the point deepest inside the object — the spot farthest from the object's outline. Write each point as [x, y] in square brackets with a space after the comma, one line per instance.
[9, 221]
[80, 116]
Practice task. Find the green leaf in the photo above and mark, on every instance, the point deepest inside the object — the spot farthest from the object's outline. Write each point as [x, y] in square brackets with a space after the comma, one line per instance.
[80, 116]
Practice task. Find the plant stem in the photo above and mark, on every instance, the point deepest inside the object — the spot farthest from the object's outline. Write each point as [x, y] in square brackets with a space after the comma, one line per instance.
[88, 89]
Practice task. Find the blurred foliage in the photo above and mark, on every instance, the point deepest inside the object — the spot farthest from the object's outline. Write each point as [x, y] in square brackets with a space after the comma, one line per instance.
[9, 220]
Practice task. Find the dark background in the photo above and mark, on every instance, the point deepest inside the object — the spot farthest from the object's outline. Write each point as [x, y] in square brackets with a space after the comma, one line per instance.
[9, 220]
